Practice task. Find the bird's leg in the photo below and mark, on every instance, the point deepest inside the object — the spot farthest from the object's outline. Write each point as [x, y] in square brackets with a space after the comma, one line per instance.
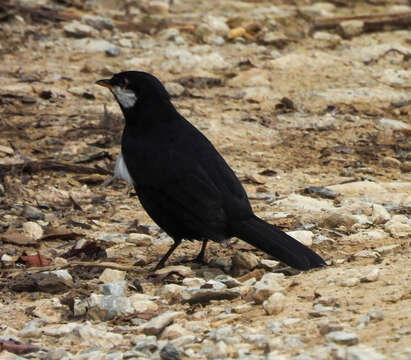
[167, 255]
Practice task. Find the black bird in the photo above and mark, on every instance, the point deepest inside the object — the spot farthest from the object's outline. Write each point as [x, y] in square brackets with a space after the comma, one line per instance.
[182, 181]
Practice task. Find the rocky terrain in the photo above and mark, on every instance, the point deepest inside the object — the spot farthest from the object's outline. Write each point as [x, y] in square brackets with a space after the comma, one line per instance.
[310, 104]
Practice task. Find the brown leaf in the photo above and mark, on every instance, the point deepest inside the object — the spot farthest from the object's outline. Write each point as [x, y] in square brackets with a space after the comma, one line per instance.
[35, 260]
[17, 347]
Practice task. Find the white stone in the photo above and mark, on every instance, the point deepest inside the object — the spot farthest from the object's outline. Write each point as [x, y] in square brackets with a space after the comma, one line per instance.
[352, 27]
[399, 226]
[193, 282]
[268, 285]
[79, 30]
[140, 239]
[303, 236]
[371, 275]
[158, 323]
[110, 275]
[274, 304]
[363, 352]
[172, 293]
[394, 124]
[379, 214]
[33, 229]
[174, 88]
[342, 337]
[350, 282]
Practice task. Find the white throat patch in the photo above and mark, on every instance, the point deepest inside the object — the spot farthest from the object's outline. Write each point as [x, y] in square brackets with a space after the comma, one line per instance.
[127, 98]
[121, 171]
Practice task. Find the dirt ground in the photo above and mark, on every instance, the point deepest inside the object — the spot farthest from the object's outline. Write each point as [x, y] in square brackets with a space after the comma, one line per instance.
[294, 94]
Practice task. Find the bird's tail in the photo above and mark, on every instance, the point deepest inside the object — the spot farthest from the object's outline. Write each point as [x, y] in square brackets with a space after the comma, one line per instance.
[276, 243]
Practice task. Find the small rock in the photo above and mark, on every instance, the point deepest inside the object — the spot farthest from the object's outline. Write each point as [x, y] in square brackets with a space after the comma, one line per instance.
[268, 285]
[113, 51]
[33, 229]
[275, 38]
[244, 261]
[390, 162]
[78, 30]
[351, 28]
[32, 329]
[342, 338]
[169, 352]
[33, 213]
[363, 352]
[174, 331]
[156, 325]
[371, 276]
[384, 250]
[303, 236]
[274, 304]
[379, 214]
[110, 275]
[204, 296]
[115, 288]
[321, 191]
[350, 282]
[269, 264]
[228, 281]
[331, 39]
[183, 271]
[376, 315]
[174, 89]
[57, 354]
[399, 226]
[326, 327]
[236, 32]
[406, 166]
[193, 282]
[140, 239]
[336, 219]
[93, 45]
[173, 293]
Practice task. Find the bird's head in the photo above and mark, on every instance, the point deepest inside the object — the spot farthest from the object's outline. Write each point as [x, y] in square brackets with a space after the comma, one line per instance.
[132, 87]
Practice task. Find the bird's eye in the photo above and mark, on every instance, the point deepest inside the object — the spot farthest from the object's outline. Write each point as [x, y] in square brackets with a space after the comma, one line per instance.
[124, 82]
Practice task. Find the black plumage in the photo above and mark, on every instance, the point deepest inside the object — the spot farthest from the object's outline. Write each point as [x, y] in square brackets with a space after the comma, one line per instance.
[183, 183]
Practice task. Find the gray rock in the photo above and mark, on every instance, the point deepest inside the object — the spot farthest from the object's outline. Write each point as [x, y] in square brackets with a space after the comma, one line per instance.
[113, 51]
[362, 352]
[342, 338]
[32, 329]
[140, 239]
[93, 45]
[33, 213]
[169, 352]
[371, 275]
[158, 323]
[115, 288]
[326, 327]
[57, 354]
[321, 191]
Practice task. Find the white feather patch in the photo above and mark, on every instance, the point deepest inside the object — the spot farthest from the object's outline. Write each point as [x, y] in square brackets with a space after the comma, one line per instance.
[121, 171]
[127, 98]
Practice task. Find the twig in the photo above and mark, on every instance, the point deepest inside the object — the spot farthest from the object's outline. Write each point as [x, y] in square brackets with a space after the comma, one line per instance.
[36, 166]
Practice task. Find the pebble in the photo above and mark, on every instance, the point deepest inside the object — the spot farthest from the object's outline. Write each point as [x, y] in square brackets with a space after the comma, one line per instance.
[380, 215]
[174, 89]
[140, 239]
[303, 236]
[78, 30]
[228, 281]
[390, 162]
[172, 293]
[399, 226]
[193, 282]
[158, 7]
[350, 282]
[342, 338]
[326, 327]
[174, 331]
[351, 28]
[242, 261]
[371, 276]
[169, 352]
[33, 213]
[110, 275]
[274, 304]
[268, 285]
[321, 191]
[98, 22]
[33, 229]
[394, 124]
[156, 325]
[113, 51]
[336, 219]
[93, 45]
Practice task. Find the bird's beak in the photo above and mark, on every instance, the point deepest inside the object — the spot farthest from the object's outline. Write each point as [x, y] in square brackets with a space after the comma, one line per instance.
[105, 82]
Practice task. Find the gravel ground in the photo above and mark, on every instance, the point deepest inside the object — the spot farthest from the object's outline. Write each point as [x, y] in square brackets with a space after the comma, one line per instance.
[310, 104]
